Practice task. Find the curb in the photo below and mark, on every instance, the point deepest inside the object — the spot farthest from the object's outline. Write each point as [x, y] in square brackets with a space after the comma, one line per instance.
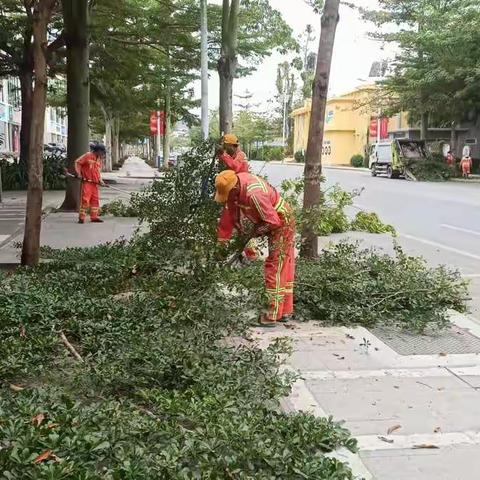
[340, 167]
[329, 167]
[466, 182]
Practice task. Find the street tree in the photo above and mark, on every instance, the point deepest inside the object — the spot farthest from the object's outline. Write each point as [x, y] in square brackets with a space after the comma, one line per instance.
[433, 75]
[286, 87]
[16, 56]
[39, 13]
[247, 29]
[76, 34]
[313, 157]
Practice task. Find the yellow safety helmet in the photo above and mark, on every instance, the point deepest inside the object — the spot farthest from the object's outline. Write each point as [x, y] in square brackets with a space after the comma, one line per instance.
[230, 139]
[224, 183]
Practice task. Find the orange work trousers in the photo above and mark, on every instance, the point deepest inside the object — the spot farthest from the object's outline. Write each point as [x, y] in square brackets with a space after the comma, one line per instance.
[89, 200]
[280, 270]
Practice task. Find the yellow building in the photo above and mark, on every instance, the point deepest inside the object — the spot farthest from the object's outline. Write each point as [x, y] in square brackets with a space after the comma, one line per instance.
[347, 125]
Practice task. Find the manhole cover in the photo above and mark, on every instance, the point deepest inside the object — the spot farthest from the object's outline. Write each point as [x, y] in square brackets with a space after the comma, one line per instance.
[452, 341]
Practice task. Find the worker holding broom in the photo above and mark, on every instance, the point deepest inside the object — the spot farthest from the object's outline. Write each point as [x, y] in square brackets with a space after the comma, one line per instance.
[88, 168]
[249, 196]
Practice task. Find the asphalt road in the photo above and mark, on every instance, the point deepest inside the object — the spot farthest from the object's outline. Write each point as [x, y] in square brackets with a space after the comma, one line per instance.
[440, 221]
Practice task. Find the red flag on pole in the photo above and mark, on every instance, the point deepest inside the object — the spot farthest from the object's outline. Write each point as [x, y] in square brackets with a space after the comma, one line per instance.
[153, 123]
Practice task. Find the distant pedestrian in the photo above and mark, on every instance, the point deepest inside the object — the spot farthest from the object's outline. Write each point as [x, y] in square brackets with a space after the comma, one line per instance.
[450, 159]
[466, 166]
[88, 168]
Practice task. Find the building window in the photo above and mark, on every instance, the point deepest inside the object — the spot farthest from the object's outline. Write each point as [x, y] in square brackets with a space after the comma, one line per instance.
[14, 93]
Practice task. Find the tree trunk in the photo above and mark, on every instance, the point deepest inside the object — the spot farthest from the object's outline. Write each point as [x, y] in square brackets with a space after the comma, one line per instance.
[313, 157]
[108, 141]
[115, 140]
[33, 219]
[453, 138]
[167, 131]
[424, 126]
[75, 15]
[26, 88]
[227, 64]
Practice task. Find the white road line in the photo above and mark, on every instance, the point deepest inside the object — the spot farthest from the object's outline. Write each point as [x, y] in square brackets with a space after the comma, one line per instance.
[440, 245]
[374, 443]
[3, 238]
[460, 229]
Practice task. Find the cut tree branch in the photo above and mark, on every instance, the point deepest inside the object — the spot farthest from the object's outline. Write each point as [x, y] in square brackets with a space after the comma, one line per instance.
[70, 348]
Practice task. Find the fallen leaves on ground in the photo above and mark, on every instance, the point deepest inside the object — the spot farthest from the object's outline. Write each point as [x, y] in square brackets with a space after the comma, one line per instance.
[393, 429]
[38, 419]
[42, 457]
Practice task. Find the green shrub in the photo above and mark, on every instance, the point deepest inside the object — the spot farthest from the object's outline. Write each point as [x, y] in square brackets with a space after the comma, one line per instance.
[369, 222]
[268, 153]
[15, 176]
[357, 161]
[119, 208]
[300, 156]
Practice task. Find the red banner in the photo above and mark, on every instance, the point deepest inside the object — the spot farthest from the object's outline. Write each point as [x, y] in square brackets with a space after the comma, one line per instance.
[383, 128]
[154, 117]
[153, 123]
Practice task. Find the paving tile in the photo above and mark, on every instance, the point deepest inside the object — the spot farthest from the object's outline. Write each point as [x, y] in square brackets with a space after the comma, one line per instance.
[460, 462]
[420, 405]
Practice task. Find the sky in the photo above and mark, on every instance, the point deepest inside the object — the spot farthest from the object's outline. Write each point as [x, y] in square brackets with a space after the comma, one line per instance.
[353, 55]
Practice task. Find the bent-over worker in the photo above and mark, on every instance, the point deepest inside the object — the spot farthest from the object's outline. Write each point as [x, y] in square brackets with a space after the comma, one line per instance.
[249, 196]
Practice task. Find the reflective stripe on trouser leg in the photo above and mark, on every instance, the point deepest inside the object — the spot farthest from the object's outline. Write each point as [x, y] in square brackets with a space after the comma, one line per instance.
[94, 203]
[84, 200]
[280, 271]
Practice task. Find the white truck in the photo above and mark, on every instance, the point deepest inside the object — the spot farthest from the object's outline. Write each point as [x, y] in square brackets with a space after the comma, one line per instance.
[393, 157]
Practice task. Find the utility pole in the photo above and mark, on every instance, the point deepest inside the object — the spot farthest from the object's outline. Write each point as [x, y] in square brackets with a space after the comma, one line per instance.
[159, 136]
[285, 111]
[204, 67]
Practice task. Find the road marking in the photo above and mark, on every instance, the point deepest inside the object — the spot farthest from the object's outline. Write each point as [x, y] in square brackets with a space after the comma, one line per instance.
[374, 442]
[440, 245]
[460, 229]
[3, 238]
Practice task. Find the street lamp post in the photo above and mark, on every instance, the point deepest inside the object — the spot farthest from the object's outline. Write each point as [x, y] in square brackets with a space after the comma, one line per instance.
[204, 67]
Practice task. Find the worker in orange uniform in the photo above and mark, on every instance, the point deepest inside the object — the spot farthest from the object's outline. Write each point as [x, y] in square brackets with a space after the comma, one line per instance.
[233, 158]
[88, 168]
[231, 155]
[466, 165]
[249, 196]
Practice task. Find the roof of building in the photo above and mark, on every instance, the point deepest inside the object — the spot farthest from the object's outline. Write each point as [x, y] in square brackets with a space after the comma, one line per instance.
[345, 97]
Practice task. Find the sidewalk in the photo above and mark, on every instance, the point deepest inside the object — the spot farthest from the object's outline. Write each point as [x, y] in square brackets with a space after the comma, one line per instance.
[413, 402]
[60, 230]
